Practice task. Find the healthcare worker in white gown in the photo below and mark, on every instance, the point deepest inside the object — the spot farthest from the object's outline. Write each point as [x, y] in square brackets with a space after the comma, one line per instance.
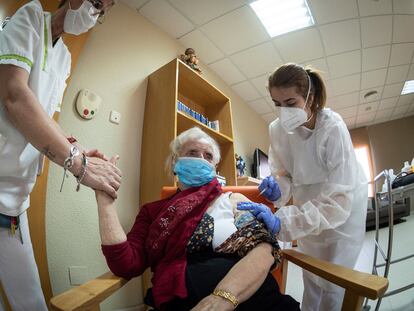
[312, 161]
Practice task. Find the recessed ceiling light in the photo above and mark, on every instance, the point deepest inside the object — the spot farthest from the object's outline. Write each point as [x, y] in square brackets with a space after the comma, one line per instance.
[283, 16]
[408, 87]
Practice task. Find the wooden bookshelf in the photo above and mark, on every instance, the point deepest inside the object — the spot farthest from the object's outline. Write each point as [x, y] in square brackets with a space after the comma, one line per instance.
[169, 84]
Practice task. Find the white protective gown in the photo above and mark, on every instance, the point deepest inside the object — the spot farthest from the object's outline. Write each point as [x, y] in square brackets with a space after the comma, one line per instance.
[319, 170]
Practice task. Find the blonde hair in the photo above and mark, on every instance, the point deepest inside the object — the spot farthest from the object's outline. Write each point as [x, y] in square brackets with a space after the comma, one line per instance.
[294, 75]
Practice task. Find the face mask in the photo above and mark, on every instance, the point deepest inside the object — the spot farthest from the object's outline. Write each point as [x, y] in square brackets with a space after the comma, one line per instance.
[291, 117]
[194, 172]
[80, 20]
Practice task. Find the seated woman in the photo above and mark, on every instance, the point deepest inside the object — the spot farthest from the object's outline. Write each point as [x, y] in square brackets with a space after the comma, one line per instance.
[203, 252]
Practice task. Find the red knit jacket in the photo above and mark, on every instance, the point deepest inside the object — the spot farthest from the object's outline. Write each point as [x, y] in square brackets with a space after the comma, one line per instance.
[130, 258]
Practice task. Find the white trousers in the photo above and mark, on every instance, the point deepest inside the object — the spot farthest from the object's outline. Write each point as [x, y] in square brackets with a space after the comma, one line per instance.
[316, 298]
[18, 271]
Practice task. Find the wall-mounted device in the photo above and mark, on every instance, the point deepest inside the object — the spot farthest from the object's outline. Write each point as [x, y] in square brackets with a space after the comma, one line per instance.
[88, 104]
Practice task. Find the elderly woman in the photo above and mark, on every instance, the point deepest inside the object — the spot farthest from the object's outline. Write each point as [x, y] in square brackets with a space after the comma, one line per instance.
[203, 252]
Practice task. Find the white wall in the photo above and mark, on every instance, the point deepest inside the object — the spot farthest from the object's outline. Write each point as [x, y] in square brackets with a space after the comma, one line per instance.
[115, 62]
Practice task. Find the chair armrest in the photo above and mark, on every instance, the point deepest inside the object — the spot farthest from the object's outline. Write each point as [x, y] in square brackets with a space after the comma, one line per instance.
[88, 296]
[360, 283]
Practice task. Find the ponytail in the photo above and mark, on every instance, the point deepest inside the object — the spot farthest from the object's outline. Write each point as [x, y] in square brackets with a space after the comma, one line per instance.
[318, 89]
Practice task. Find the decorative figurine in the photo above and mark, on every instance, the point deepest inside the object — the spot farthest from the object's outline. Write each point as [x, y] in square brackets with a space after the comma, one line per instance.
[240, 165]
[190, 59]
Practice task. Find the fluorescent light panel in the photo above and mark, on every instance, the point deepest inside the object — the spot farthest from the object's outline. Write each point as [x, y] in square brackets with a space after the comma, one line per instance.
[283, 16]
[408, 87]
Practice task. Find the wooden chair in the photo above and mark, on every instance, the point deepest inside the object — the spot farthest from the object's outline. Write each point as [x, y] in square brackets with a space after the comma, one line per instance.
[357, 285]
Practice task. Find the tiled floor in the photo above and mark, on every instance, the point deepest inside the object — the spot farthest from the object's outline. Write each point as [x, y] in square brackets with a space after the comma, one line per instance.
[401, 273]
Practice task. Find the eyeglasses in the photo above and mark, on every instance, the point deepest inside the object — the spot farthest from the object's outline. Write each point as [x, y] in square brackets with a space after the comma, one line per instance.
[98, 4]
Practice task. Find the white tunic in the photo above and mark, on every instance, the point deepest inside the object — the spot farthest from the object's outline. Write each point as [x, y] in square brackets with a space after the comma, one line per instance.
[26, 42]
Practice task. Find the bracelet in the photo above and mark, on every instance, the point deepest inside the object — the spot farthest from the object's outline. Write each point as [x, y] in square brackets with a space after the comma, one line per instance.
[226, 295]
[83, 173]
[70, 160]
[68, 163]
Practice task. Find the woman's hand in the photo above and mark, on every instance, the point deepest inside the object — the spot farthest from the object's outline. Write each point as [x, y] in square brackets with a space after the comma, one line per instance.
[110, 228]
[213, 303]
[91, 153]
[96, 154]
[102, 195]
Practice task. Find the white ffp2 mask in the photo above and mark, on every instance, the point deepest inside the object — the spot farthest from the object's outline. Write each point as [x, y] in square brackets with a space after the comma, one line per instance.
[292, 117]
[80, 20]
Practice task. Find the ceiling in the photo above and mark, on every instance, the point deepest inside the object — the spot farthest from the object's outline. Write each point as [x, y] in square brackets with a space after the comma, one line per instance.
[360, 45]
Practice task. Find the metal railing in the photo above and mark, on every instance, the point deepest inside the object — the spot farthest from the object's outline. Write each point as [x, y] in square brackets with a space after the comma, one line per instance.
[386, 255]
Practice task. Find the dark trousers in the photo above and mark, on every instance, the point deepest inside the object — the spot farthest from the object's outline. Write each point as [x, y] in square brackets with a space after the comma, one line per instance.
[206, 270]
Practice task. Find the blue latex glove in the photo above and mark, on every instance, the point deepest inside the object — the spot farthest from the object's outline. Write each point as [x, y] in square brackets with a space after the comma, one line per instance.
[271, 189]
[263, 214]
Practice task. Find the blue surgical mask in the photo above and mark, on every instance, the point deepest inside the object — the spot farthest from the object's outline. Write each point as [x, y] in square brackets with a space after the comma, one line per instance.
[194, 172]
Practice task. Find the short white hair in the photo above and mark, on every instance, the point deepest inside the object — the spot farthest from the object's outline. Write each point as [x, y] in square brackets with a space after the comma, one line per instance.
[192, 134]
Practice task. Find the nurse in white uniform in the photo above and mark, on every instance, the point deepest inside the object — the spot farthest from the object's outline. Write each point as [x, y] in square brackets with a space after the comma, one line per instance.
[34, 65]
[313, 163]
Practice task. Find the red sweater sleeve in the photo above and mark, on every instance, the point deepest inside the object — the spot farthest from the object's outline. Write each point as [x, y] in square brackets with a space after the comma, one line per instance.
[129, 259]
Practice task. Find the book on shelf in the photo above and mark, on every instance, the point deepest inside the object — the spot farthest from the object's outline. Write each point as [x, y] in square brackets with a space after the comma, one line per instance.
[215, 125]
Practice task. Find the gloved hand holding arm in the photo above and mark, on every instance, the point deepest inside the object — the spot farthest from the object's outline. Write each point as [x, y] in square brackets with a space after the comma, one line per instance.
[263, 214]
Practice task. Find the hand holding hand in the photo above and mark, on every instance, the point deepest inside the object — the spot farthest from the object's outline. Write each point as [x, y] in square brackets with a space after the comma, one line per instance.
[95, 153]
[103, 175]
